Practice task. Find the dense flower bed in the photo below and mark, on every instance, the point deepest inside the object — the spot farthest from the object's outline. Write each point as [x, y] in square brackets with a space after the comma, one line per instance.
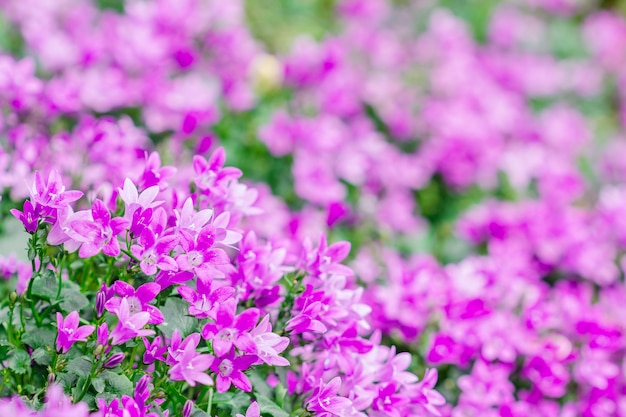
[419, 211]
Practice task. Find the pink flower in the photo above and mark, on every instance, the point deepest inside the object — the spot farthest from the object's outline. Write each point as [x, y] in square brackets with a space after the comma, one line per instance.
[324, 400]
[252, 411]
[137, 299]
[69, 332]
[129, 325]
[154, 252]
[229, 369]
[98, 234]
[204, 302]
[191, 366]
[229, 330]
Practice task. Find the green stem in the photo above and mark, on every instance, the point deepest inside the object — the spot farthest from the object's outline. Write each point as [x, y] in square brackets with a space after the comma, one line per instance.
[87, 382]
[210, 405]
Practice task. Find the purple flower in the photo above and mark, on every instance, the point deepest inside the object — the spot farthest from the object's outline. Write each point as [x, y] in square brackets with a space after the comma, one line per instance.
[191, 365]
[199, 255]
[98, 234]
[154, 350]
[210, 175]
[137, 299]
[140, 220]
[324, 399]
[203, 303]
[58, 404]
[69, 332]
[154, 252]
[190, 220]
[229, 330]
[387, 399]
[252, 411]
[306, 320]
[229, 369]
[168, 278]
[129, 325]
[52, 194]
[29, 217]
[268, 344]
[135, 201]
[154, 174]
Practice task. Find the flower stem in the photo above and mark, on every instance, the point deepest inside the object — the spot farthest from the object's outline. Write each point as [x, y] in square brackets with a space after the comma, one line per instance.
[210, 405]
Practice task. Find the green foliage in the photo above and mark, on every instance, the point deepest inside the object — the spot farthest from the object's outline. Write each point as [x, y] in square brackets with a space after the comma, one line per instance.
[175, 312]
[277, 22]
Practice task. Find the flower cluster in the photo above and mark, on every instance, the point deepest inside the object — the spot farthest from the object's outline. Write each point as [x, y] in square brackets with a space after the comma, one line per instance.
[425, 216]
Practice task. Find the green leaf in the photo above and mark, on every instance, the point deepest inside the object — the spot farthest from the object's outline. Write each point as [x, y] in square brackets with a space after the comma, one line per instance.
[79, 263]
[237, 403]
[19, 361]
[80, 366]
[118, 384]
[175, 313]
[45, 285]
[41, 356]
[39, 338]
[270, 407]
[98, 384]
[259, 384]
[73, 301]
[280, 392]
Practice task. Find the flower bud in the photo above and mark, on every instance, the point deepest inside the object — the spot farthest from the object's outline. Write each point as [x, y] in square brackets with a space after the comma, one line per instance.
[141, 389]
[114, 360]
[13, 298]
[187, 408]
[101, 299]
[98, 351]
[51, 379]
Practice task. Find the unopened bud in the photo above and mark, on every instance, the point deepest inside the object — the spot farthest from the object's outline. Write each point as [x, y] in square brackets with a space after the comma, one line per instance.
[187, 408]
[101, 299]
[98, 351]
[114, 360]
[141, 389]
[13, 298]
[51, 379]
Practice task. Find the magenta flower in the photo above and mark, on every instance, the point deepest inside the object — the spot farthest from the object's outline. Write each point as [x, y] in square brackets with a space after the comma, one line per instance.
[58, 404]
[178, 344]
[307, 320]
[154, 350]
[229, 369]
[229, 330]
[129, 325]
[137, 299]
[387, 400]
[200, 257]
[169, 278]
[252, 411]
[154, 252]
[203, 303]
[324, 399]
[268, 344]
[154, 173]
[69, 332]
[52, 194]
[29, 217]
[99, 234]
[134, 201]
[210, 175]
[190, 220]
[191, 365]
